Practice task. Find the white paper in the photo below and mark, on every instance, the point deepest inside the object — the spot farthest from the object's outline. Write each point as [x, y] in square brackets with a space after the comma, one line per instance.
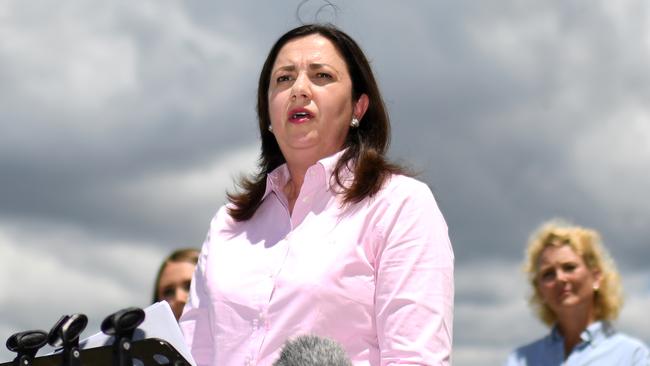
[159, 322]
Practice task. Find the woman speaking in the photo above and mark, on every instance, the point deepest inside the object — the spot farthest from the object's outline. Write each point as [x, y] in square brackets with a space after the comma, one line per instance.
[329, 238]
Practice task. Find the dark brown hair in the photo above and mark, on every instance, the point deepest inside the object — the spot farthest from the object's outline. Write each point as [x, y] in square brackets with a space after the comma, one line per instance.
[366, 145]
[189, 255]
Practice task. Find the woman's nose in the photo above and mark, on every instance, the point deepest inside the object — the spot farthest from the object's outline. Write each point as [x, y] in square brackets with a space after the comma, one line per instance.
[301, 88]
[180, 294]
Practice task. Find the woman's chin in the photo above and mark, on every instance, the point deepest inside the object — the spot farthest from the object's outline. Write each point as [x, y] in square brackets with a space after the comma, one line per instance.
[568, 303]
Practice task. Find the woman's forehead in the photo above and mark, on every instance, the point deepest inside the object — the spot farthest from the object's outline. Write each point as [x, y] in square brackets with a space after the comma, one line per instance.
[559, 254]
[307, 50]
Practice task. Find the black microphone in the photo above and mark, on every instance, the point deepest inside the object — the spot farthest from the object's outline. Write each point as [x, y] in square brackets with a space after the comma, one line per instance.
[311, 350]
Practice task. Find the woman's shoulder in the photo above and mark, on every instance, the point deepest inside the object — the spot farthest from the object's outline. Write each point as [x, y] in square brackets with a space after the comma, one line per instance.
[402, 185]
[222, 217]
[407, 194]
[625, 340]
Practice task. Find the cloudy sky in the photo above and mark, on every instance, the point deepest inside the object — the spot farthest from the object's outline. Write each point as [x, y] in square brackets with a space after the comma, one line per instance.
[122, 124]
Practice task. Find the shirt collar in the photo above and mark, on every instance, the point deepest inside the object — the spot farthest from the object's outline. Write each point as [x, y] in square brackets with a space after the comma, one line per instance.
[556, 336]
[595, 333]
[278, 178]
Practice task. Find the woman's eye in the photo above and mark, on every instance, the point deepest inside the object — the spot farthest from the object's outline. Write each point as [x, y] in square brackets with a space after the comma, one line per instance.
[569, 267]
[547, 276]
[186, 285]
[168, 292]
[323, 75]
[283, 78]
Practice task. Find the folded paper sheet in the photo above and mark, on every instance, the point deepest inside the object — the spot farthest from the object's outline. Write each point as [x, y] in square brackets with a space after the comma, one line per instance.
[159, 322]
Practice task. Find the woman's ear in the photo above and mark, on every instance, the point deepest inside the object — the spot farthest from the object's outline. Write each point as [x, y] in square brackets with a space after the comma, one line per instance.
[598, 277]
[361, 106]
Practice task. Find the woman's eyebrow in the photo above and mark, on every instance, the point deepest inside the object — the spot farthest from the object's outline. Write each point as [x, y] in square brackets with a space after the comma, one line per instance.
[285, 68]
[318, 65]
[312, 66]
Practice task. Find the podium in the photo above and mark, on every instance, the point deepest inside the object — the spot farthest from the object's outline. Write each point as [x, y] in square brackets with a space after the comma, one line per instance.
[145, 352]
[129, 337]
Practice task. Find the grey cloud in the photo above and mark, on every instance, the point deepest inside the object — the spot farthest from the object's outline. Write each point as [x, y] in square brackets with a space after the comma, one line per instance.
[115, 118]
[65, 148]
[498, 107]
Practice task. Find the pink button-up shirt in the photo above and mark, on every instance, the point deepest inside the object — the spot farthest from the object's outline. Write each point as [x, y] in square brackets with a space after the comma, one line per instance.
[376, 276]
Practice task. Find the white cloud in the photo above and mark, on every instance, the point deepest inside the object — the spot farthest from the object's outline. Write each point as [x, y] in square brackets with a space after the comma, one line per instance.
[607, 155]
[201, 182]
[190, 192]
[634, 316]
[479, 355]
[47, 270]
[57, 60]
[515, 38]
[80, 61]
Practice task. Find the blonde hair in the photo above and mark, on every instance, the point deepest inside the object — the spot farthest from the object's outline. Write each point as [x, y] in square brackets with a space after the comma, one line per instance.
[586, 243]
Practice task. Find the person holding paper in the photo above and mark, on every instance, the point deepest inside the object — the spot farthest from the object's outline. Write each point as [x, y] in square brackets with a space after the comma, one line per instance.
[174, 277]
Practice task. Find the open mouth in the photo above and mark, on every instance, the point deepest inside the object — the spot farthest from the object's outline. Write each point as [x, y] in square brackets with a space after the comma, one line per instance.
[299, 116]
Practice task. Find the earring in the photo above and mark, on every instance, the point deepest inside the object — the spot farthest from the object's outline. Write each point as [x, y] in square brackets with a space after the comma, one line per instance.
[354, 123]
[271, 128]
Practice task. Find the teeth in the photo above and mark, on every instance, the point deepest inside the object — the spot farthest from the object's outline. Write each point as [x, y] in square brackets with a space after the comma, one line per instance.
[300, 114]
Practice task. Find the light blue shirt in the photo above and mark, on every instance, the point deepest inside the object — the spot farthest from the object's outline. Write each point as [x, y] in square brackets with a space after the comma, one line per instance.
[601, 346]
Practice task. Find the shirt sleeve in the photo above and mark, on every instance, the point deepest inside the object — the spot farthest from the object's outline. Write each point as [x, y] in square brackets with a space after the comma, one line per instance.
[415, 286]
[195, 322]
[641, 356]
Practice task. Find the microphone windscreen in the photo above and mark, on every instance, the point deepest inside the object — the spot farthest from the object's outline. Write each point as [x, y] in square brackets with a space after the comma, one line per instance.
[310, 350]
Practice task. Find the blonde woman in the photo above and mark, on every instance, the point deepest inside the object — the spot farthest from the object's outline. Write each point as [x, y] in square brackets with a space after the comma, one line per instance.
[577, 293]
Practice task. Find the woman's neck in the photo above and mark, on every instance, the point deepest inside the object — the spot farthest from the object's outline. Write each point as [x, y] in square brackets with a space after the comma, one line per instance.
[292, 190]
[298, 167]
[297, 171]
[571, 325]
